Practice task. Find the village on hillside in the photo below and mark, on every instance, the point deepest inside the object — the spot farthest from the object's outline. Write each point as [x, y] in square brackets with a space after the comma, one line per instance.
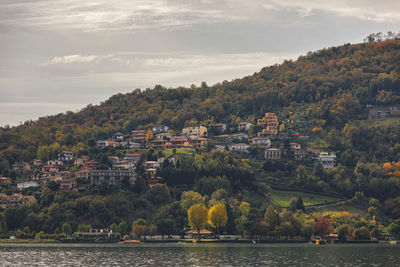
[76, 173]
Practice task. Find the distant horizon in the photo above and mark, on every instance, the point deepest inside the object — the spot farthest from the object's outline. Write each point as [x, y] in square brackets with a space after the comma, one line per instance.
[60, 56]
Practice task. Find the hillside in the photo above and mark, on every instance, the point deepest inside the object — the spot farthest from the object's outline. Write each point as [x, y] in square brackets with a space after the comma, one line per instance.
[322, 101]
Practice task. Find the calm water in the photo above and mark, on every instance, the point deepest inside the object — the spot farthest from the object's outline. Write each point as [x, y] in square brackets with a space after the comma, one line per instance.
[199, 255]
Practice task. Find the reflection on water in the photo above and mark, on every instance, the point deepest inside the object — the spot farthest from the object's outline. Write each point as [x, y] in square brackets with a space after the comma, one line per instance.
[198, 255]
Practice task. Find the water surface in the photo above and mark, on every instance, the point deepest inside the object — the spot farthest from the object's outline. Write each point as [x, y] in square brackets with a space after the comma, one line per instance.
[199, 255]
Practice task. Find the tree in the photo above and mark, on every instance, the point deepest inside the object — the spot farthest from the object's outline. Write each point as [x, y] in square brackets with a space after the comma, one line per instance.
[66, 229]
[217, 217]
[114, 227]
[293, 204]
[342, 231]
[3, 223]
[323, 226]
[300, 204]
[271, 217]
[197, 216]
[123, 227]
[244, 208]
[165, 226]
[158, 194]
[84, 228]
[362, 233]
[190, 198]
[394, 230]
[149, 135]
[139, 230]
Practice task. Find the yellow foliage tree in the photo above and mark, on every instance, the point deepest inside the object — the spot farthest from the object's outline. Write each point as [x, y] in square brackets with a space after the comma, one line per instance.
[149, 134]
[197, 216]
[217, 217]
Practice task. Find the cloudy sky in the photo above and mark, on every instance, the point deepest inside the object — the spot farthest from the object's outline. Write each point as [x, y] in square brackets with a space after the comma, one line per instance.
[59, 55]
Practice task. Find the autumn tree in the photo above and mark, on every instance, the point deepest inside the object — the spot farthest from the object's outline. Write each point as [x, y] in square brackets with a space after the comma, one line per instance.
[149, 135]
[271, 217]
[323, 226]
[197, 216]
[217, 217]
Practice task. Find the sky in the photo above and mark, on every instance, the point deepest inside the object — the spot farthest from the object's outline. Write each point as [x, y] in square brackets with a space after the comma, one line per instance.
[59, 55]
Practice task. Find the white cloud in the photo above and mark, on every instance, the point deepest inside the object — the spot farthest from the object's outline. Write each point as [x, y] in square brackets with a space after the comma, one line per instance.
[372, 10]
[141, 15]
[73, 59]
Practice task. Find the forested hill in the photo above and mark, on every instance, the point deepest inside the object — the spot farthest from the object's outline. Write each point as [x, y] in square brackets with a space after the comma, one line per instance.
[325, 89]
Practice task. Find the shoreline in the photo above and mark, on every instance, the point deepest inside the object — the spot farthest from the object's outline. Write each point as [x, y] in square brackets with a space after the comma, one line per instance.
[183, 241]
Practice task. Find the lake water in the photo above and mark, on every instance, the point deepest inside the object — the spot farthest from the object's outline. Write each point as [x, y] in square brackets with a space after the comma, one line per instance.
[199, 255]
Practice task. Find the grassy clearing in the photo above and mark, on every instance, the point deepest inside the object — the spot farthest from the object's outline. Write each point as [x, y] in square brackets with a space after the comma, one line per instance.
[282, 198]
[318, 144]
[187, 151]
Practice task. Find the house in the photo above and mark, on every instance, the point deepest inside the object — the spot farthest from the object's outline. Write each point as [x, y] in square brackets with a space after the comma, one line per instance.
[111, 177]
[163, 136]
[27, 184]
[384, 113]
[198, 141]
[217, 128]
[5, 180]
[138, 136]
[327, 160]
[240, 137]
[199, 131]
[295, 146]
[239, 147]
[224, 138]
[117, 137]
[123, 165]
[160, 129]
[65, 156]
[82, 175]
[160, 144]
[90, 165]
[269, 119]
[51, 168]
[81, 161]
[37, 162]
[244, 126]
[300, 154]
[16, 199]
[151, 164]
[102, 144]
[68, 185]
[269, 130]
[113, 159]
[261, 141]
[193, 234]
[272, 153]
[134, 158]
[55, 163]
[270, 122]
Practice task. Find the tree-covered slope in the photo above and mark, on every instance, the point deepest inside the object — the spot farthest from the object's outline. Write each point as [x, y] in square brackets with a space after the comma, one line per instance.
[329, 88]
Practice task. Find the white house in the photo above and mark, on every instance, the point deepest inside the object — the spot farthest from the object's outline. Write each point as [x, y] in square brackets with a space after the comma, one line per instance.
[244, 126]
[272, 153]
[239, 147]
[327, 160]
[160, 128]
[65, 156]
[151, 164]
[27, 184]
[261, 141]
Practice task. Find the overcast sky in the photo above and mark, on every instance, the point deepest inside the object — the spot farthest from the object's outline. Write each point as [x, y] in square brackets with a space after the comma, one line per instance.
[59, 55]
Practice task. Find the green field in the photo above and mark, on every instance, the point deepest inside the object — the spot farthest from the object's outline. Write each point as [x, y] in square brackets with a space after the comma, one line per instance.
[188, 151]
[282, 198]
